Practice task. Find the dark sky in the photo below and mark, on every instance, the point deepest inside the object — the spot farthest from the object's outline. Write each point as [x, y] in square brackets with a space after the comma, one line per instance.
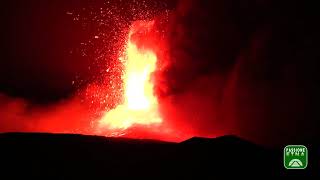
[248, 67]
[37, 38]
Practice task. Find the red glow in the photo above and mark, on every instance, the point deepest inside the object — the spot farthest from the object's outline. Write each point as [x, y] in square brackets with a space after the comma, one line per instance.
[140, 106]
[126, 98]
[98, 108]
[138, 115]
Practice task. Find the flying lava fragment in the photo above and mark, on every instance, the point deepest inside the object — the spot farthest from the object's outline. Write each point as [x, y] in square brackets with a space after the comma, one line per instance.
[140, 105]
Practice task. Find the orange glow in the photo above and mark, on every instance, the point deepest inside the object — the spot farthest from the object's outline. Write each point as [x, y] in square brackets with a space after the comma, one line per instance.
[140, 106]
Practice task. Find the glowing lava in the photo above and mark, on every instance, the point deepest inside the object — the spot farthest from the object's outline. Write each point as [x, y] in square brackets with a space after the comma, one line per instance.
[140, 106]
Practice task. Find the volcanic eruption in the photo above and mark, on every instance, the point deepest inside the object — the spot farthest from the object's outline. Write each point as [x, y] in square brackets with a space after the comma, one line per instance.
[140, 105]
[208, 68]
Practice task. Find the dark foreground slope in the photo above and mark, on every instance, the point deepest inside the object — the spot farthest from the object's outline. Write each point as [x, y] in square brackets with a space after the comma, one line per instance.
[65, 156]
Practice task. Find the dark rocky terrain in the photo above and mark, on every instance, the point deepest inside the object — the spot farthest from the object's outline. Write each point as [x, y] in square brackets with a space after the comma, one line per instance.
[72, 156]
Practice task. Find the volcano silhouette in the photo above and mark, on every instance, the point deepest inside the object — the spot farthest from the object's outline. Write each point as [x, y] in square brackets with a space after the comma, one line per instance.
[72, 156]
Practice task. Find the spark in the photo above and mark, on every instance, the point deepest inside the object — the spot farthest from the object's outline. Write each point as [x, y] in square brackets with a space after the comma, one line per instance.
[140, 106]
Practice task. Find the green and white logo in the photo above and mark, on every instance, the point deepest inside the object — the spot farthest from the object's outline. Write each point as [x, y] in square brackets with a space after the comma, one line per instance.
[295, 157]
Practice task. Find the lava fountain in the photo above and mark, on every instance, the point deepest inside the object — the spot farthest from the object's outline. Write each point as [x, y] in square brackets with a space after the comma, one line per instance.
[140, 105]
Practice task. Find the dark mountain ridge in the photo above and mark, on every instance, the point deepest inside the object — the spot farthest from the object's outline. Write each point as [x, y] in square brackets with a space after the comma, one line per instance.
[74, 156]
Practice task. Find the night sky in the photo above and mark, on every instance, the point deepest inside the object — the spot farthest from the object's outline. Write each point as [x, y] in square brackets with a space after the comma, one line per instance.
[234, 67]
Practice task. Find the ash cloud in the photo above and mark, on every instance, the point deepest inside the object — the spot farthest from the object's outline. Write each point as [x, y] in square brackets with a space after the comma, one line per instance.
[59, 69]
[242, 67]
[20, 115]
[227, 67]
